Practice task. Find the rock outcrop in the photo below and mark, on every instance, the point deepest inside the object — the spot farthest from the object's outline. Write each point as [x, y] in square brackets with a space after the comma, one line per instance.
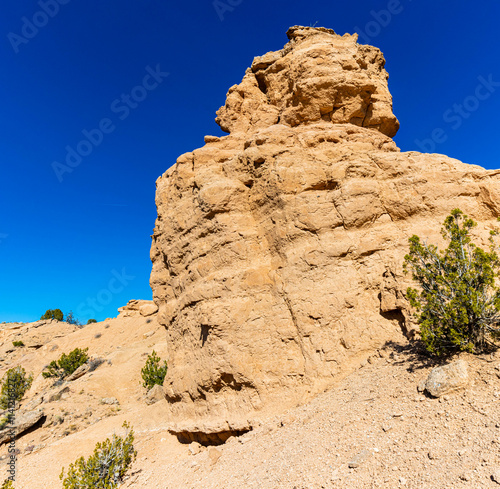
[22, 423]
[138, 308]
[277, 252]
[317, 76]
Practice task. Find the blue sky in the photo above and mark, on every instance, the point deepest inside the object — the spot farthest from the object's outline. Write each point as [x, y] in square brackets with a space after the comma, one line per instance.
[78, 237]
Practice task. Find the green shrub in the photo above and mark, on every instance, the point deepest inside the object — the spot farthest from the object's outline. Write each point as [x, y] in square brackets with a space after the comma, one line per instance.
[104, 469]
[153, 373]
[66, 364]
[18, 343]
[14, 385]
[71, 319]
[90, 321]
[4, 421]
[458, 306]
[7, 484]
[53, 314]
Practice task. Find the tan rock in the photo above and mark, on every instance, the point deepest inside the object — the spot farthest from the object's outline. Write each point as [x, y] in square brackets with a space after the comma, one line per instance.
[148, 309]
[495, 476]
[79, 372]
[317, 76]
[195, 448]
[277, 252]
[448, 378]
[359, 459]
[214, 455]
[137, 308]
[22, 423]
[155, 394]
[57, 396]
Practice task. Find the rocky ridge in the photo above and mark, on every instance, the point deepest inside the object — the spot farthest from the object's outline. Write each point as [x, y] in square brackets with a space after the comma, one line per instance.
[277, 252]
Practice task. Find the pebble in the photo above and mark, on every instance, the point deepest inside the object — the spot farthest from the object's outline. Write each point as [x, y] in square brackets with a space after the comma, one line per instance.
[214, 455]
[433, 455]
[195, 448]
[359, 458]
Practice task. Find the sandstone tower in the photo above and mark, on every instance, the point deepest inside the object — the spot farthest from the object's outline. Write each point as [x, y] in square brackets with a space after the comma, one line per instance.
[277, 250]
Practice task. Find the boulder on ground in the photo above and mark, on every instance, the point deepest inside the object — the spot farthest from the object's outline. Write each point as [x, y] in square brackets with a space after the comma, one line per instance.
[448, 378]
[22, 423]
[155, 394]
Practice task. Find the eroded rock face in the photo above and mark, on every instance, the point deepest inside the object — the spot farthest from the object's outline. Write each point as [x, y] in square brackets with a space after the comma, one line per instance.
[316, 76]
[138, 308]
[277, 252]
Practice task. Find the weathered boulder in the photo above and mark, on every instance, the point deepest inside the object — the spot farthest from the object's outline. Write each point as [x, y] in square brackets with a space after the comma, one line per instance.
[22, 423]
[317, 76]
[447, 378]
[79, 372]
[138, 308]
[155, 394]
[277, 252]
[57, 396]
[148, 309]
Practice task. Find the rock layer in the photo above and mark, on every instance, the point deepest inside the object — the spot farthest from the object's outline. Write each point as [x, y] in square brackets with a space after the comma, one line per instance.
[317, 76]
[278, 249]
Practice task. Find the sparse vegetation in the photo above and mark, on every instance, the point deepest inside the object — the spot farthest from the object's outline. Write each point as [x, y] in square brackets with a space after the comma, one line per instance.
[153, 373]
[458, 306]
[4, 421]
[7, 484]
[91, 321]
[53, 314]
[106, 468]
[14, 385]
[94, 363]
[71, 319]
[66, 364]
[17, 343]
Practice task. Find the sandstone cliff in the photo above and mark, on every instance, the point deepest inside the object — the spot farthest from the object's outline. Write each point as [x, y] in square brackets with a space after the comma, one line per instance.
[277, 250]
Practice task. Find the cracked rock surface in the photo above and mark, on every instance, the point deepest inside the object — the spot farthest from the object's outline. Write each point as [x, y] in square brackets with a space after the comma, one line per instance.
[277, 252]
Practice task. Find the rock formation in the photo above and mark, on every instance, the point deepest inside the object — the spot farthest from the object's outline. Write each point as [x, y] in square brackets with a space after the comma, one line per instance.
[277, 252]
[137, 308]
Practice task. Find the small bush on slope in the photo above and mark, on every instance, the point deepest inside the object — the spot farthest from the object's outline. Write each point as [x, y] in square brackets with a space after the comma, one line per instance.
[104, 469]
[53, 314]
[71, 319]
[458, 306]
[14, 385]
[153, 373]
[66, 364]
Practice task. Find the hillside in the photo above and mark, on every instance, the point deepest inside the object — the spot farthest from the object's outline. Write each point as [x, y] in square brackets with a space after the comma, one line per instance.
[413, 440]
[279, 303]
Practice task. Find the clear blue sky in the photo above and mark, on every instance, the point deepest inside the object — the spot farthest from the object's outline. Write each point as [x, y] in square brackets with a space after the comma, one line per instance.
[83, 243]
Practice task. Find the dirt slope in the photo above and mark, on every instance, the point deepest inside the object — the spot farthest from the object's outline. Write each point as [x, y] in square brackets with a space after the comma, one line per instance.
[410, 440]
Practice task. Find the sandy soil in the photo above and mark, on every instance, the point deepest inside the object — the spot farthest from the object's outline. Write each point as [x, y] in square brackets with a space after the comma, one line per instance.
[373, 418]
